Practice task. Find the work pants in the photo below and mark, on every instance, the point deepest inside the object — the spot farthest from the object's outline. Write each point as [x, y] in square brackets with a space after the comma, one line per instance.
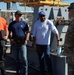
[43, 52]
[2, 56]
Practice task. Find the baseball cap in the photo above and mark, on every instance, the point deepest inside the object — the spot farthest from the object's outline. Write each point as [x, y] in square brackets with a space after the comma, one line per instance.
[71, 6]
[42, 13]
[18, 13]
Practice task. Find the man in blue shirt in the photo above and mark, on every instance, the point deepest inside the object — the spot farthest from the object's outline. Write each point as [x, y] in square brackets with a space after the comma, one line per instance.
[19, 32]
[41, 37]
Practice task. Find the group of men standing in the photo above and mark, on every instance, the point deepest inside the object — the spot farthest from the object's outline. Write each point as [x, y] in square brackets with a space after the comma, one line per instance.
[18, 33]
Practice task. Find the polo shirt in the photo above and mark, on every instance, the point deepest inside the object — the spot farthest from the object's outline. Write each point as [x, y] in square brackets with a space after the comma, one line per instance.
[18, 29]
[42, 31]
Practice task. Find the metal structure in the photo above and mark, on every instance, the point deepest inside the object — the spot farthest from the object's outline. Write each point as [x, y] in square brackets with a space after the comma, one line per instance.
[38, 2]
[44, 2]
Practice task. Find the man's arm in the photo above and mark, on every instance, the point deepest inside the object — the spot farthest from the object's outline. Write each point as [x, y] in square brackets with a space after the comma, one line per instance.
[10, 35]
[27, 36]
[7, 32]
[34, 40]
[34, 43]
[6, 35]
[58, 39]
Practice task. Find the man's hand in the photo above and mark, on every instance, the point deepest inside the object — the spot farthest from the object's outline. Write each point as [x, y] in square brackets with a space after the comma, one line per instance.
[5, 37]
[25, 42]
[13, 42]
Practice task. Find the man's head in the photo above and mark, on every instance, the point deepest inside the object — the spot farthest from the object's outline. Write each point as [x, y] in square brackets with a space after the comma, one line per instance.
[71, 6]
[42, 16]
[19, 13]
[71, 10]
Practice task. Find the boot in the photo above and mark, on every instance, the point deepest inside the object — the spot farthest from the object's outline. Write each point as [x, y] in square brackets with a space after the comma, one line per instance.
[3, 71]
[18, 74]
[24, 74]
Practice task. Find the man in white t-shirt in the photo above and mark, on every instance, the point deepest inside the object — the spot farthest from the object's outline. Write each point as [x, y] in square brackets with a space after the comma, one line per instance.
[41, 37]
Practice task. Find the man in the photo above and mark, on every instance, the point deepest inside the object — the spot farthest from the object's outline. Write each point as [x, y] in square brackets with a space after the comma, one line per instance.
[3, 38]
[69, 41]
[19, 38]
[41, 37]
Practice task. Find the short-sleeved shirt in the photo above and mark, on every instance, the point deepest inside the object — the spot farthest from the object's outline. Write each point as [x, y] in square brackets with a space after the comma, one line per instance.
[18, 29]
[3, 24]
[42, 31]
[3, 27]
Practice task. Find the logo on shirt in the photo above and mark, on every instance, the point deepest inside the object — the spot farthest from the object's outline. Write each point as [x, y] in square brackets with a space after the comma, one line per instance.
[21, 26]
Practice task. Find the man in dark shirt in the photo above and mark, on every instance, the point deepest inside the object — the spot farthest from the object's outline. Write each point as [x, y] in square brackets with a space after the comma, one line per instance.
[19, 38]
[69, 41]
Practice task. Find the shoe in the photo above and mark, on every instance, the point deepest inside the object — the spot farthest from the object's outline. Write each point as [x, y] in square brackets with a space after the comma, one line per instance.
[2, 59]
[21, 74]
[17, 73]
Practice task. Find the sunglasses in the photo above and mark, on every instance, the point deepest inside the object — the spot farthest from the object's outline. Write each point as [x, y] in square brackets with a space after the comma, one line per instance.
[42, 16]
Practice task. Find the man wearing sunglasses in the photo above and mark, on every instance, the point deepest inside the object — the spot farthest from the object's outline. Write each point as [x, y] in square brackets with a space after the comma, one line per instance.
[41, 37]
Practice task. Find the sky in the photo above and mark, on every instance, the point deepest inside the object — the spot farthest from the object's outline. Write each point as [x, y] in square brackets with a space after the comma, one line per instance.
[3, 6]
[16, 6]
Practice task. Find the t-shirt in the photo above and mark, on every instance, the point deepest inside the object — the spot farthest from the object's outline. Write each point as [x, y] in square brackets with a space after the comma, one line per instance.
[42, 31]
[3, 27]
[18, 29]
[3, 24]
